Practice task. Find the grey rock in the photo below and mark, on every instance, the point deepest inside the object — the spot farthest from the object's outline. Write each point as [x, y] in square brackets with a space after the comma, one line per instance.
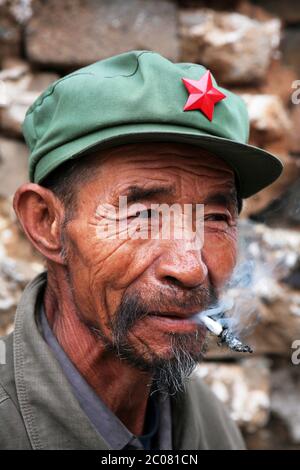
[244, 388]
[13, 165]
[290, 48]
[73, 33]
[285, 398]
[236, 48]
[19, 88]
[288, 11]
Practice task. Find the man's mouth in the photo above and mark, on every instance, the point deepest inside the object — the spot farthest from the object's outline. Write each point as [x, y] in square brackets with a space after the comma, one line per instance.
[175, 320]
[183, 314]
[179, 314]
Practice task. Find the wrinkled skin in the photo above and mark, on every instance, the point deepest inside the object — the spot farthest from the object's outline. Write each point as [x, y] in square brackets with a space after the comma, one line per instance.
[87, 286]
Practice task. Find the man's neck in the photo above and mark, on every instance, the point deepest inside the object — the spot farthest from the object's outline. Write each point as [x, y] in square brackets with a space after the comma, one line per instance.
[123, 388]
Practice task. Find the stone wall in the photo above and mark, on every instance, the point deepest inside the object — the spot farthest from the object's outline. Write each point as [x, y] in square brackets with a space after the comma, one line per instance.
[251, 47]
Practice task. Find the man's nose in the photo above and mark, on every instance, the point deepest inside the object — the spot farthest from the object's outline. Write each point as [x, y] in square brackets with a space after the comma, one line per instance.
[183, 267]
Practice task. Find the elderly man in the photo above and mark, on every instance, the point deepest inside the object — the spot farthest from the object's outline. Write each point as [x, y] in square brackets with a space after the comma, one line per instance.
[104, 341]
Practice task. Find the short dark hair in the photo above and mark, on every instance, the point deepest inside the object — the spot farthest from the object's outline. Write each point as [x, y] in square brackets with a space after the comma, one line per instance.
[65, 180]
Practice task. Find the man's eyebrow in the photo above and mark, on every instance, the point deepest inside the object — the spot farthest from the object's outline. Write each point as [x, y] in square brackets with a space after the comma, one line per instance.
[227, 199]
[137, 193]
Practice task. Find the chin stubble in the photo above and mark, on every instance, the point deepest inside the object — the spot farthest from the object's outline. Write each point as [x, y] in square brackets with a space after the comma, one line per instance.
[170, 375]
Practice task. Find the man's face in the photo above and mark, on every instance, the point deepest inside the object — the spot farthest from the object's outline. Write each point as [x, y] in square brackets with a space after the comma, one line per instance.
[139, 294]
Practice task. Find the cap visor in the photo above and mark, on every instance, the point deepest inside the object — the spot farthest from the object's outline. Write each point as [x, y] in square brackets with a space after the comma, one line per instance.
[255, 168]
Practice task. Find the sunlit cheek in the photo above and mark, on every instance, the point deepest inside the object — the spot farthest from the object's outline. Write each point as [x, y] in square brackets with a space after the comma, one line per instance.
[103, 257]
[220, 254]
[95, 267]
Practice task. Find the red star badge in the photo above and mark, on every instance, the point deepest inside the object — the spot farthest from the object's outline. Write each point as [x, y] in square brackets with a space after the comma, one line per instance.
[203, 95]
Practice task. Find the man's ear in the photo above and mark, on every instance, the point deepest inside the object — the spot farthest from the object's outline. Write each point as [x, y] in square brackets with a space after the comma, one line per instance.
[41, 215]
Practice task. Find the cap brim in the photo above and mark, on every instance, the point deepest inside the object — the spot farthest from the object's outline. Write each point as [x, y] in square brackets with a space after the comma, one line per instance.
[255, 168]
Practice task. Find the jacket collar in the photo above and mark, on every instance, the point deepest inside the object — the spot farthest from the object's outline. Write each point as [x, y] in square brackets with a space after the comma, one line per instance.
[52, 415]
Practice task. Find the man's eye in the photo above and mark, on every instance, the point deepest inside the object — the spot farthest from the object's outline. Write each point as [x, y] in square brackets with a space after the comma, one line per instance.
[217, 218]
[146, 214]
[149, 213]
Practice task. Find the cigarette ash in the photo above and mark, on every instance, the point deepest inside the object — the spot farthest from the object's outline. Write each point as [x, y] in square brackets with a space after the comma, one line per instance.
[217, 323]
[235, 314]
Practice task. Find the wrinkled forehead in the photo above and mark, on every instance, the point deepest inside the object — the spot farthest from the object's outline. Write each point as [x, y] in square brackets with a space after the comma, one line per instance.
[164, 155]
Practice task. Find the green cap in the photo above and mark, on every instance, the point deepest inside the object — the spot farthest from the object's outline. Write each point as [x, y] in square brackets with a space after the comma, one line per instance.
[139, 96]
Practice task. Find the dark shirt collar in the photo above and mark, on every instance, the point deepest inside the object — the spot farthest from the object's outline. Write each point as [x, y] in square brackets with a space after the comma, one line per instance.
[106, 423]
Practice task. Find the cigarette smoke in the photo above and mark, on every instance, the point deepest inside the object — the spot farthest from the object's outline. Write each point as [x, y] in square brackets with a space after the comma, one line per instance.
[238, 306]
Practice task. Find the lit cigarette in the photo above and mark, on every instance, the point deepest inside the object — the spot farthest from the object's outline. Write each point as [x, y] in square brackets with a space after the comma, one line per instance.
[225, 335]
[212, 325]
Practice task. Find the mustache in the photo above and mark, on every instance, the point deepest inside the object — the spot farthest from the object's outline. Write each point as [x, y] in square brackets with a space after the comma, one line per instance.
[136, 306]
[200, 297]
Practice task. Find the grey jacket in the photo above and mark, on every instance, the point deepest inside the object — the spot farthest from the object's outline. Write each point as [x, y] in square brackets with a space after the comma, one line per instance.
[38, 409]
